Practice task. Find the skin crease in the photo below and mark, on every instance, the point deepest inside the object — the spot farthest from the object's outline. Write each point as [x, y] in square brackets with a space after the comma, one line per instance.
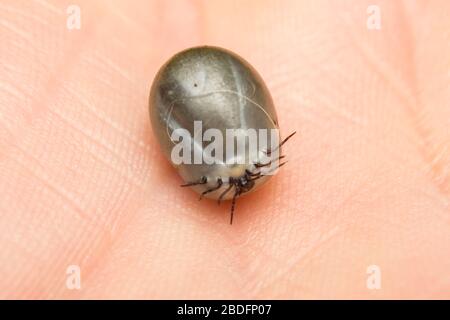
[82, 180]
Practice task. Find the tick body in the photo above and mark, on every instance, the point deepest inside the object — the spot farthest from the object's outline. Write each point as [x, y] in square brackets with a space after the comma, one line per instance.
[221, 91]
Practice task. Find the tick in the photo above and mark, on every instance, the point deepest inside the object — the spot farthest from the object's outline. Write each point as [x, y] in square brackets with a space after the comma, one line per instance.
[197, 98]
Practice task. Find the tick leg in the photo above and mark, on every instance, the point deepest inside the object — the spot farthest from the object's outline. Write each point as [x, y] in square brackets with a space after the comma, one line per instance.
[224, 193]
[279, 166]
[233, 203]
[282, 142]
[203, 180]
[219, 184]
[251, 174]
[259, 165]
[260, 176]
[256, 178]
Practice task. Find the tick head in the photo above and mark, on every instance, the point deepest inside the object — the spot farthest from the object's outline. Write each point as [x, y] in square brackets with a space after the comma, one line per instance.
[244, 183]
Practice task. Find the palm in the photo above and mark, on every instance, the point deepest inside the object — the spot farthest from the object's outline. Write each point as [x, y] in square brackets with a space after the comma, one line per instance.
[83, 181]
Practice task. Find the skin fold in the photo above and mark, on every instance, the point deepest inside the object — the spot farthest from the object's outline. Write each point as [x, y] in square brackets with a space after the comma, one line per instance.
[83, 181]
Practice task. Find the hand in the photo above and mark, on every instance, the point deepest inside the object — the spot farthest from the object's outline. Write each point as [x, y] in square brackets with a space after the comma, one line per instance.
[83, 182]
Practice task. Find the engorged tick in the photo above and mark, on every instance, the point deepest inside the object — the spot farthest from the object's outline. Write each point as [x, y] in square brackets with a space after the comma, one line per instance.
[222, 91]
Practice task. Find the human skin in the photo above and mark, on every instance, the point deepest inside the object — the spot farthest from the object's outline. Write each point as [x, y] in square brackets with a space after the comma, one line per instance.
[83, 181]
